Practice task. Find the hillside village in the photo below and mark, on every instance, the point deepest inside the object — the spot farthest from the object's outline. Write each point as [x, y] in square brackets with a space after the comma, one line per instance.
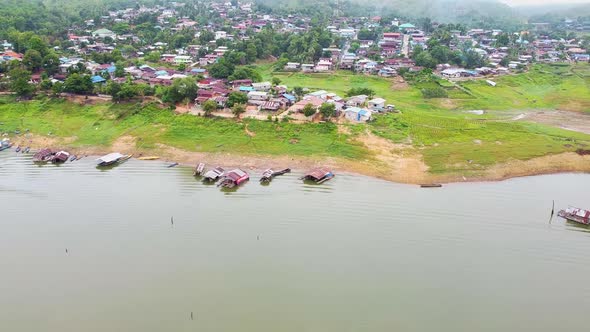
[122, 55]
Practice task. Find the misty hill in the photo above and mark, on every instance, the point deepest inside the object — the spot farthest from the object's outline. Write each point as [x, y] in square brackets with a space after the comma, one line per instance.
[470, 12]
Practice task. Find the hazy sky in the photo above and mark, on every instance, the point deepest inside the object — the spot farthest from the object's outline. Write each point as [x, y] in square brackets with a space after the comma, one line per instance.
[542, 2]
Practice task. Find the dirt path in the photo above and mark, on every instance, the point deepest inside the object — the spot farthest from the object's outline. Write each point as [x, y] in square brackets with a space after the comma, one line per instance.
[574, 121]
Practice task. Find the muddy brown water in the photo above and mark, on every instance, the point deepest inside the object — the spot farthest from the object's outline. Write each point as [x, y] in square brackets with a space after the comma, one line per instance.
[354, 254]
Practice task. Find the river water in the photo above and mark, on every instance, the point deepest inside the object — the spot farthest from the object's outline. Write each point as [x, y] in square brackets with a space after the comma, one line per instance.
[354, 254]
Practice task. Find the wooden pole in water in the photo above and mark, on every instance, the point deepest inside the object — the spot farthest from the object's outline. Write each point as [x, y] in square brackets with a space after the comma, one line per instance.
[172, 220]
[66, 250]
[553, 208]
[191, 315]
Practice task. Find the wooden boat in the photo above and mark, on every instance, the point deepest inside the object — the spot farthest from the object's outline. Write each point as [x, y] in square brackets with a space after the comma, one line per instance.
[199, 169]
[112, 158]
[269, 174]
[172, 165]
[60, 157]
[213, 174]
[43, 155]
[149, 158]
[17, 150]
[233, 178]
[431, 185]
[318, 175]
[5, 144]
[580, 216]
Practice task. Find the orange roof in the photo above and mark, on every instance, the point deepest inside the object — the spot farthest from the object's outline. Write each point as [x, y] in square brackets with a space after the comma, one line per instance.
[13, 54]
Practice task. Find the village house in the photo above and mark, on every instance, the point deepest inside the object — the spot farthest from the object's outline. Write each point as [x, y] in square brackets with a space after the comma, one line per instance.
[103, 33]
[376, 103]
[262, 86]
[257, 97]
[298, 106]
[324, 64]
[357, 114]
[292, 66]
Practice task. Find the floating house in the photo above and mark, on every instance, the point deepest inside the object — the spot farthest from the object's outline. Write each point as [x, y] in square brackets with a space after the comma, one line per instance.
[234, 178]
[111, 159]
[318, 175]
[213, 174]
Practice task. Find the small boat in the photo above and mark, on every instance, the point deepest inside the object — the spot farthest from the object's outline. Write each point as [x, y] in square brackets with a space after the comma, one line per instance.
[233, 178]
[213, 174]
[43, 155]
[431, 185]
[112, 158]
[27, 149]
[5, 144]
[60, 157]
[318, 175]
[73, 158]
[269, 174]
[580, 216]
[199, 169]
[17, 150]
[172, 165]
[149, 158]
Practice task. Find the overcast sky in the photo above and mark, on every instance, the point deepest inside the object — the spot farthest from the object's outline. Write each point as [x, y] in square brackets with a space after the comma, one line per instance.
[542, 2]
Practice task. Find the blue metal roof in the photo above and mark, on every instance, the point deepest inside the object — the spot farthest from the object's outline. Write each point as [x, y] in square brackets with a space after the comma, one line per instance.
[246, 88]
[288, 96]
[97, 79]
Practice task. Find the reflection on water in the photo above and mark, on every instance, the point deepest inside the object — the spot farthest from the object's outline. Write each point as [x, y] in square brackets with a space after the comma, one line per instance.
[352, 254]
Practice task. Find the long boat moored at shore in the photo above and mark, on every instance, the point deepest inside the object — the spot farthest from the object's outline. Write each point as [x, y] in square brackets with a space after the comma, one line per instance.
[199, 169]
[60, 157]
[213, 174]
[318, 175]
[43, 155]
[269, 174]
[580, 216]
[112, 158]
[5, 144]
[233, 178]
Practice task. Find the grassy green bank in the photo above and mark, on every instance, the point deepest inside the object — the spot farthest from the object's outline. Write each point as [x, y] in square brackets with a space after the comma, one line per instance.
[102, 124]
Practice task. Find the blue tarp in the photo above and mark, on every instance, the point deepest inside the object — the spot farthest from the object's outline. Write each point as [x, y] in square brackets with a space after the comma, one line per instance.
[97, 79]
[246, 88]
[161, 73]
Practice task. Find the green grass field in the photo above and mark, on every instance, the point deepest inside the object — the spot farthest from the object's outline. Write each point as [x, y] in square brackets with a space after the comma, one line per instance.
[101, 125]
[543, 87]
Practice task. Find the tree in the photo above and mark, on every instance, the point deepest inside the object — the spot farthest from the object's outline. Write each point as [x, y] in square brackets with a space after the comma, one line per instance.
[328, 110]
[32, 60]
[473, 60]
[153, 56]
[19, 82]
[309, 110]
[361, 91]
[236, 98]
[181, 89]
[276, 81]
[51, 63]
[208, 107]
[238, 109]
[76, 83]
[181, 67]
[119, 70]
[426, 60]
[298, 91]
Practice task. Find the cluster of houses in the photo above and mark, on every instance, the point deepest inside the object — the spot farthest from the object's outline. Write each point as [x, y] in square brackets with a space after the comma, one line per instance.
[277, 99]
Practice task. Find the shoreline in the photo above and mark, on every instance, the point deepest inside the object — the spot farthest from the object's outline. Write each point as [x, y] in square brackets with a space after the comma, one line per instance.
[406, 167]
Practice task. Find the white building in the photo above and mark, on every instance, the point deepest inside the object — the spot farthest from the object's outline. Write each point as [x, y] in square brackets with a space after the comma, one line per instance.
[220, 35]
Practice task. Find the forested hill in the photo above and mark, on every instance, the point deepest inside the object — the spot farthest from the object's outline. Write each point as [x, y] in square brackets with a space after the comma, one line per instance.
[52, 17]
[482, 13]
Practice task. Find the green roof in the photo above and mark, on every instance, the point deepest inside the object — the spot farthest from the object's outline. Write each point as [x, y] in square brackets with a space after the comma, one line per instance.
[99, 31]
[407, 26]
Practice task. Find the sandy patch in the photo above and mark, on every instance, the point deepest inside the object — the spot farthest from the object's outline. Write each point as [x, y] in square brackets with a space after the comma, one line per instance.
[573, 121]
